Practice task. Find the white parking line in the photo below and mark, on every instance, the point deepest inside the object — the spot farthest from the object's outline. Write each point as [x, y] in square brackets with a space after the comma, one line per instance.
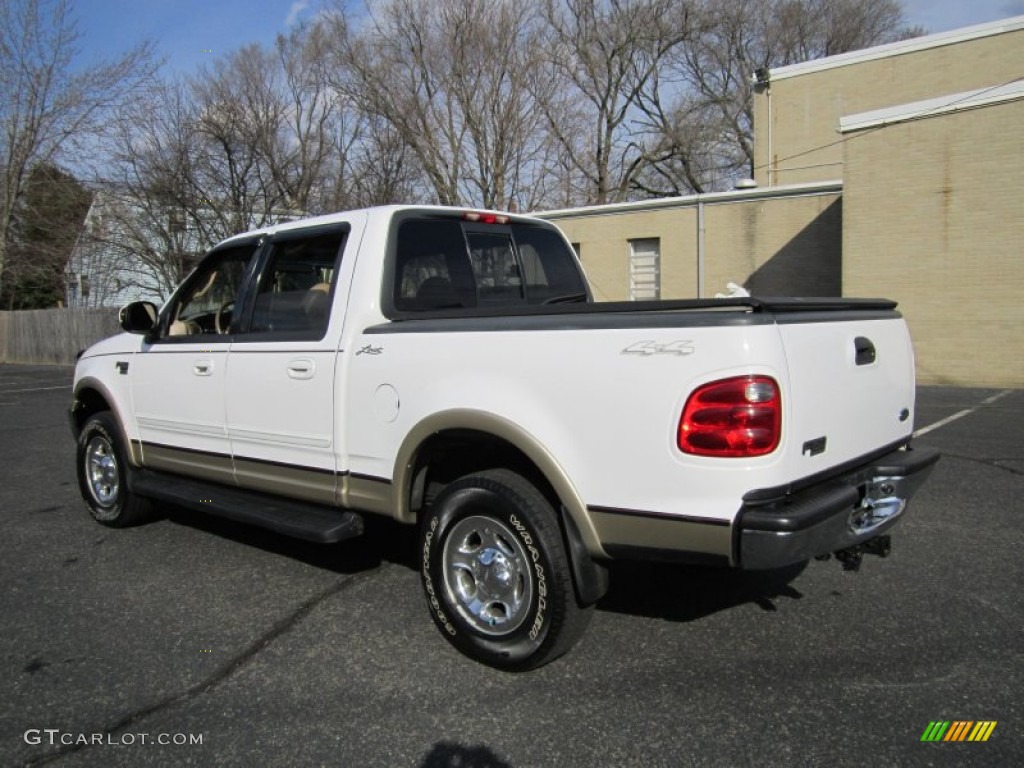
[961, 414]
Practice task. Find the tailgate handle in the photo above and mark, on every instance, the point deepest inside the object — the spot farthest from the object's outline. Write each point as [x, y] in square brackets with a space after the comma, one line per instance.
[865, 350]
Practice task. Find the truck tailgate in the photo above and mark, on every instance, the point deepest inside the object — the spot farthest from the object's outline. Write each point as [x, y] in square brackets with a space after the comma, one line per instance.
[851, 387]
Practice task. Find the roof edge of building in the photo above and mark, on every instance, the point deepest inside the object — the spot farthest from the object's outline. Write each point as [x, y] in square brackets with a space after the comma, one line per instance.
[937, 40]
[709, 198]
[942, 105]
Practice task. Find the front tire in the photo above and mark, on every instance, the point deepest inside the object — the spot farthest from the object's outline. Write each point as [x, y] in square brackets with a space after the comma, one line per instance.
[103, 474]
[496, 574]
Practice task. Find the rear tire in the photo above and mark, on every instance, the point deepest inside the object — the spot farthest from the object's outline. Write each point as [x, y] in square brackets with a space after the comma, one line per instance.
[103, 474]
[496, 573]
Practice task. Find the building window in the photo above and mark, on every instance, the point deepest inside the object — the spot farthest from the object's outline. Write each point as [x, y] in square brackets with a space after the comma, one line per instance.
[645, 269]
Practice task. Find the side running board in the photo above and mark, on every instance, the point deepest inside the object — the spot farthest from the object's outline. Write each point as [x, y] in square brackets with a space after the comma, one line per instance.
[300, 520]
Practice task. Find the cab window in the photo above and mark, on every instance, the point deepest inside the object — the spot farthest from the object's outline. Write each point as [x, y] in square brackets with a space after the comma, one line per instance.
[296, 286]
[447, 263]
[206, 303]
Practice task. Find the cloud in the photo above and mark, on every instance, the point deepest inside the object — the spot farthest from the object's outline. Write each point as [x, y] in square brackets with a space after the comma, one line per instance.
[295, 11]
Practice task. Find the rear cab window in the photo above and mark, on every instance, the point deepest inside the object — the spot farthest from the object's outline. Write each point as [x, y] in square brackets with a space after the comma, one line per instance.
[444, 263]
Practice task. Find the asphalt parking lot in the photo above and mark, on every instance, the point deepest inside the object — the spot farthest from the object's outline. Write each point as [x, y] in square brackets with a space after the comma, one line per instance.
[268, 651]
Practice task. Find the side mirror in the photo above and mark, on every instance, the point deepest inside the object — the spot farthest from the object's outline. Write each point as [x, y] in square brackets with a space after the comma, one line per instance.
[138, 317]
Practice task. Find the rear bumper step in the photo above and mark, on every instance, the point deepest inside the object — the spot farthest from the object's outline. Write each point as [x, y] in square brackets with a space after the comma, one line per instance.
[311, 522]
[835, 515]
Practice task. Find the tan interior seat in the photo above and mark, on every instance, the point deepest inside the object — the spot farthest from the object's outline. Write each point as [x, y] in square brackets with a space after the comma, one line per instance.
[316, 304]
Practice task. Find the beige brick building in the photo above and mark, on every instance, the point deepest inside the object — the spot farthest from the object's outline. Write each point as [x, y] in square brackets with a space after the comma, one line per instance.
[933, 208]
[797, 112]
[783, 241]
[927, 136]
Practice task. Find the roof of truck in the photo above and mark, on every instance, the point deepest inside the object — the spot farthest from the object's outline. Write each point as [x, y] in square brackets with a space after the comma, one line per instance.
[372, 212]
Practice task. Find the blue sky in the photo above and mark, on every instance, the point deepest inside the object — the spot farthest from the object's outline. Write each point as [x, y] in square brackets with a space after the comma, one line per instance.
[189, 32]
[942, 15]
[186, 32]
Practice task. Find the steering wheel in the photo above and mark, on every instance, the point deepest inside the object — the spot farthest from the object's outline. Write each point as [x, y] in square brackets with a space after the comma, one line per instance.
[218, 323]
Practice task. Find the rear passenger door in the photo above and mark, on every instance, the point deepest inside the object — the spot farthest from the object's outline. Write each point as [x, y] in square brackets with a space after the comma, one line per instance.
[280, 404]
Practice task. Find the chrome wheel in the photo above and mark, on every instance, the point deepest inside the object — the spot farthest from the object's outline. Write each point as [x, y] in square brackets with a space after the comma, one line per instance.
[103, 474]
[101, 471]
[496, 574]
[487, 575]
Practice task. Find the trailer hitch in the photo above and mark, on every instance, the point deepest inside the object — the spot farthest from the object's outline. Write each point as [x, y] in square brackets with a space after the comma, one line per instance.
[851, 557]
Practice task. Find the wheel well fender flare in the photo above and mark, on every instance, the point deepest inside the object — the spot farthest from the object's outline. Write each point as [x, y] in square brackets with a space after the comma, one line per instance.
[581, 536]
[80, 394]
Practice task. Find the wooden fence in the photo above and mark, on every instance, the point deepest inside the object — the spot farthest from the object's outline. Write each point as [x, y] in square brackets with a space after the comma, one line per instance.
[52, 335]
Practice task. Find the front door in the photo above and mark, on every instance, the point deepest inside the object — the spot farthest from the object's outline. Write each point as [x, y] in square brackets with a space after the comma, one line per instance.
[178, 379]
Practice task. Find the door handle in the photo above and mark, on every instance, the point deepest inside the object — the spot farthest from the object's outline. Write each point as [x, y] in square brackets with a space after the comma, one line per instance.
[203, 367]
[301, 369]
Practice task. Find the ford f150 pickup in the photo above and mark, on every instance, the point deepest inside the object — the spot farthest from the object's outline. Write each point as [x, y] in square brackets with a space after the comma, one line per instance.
[449, 369]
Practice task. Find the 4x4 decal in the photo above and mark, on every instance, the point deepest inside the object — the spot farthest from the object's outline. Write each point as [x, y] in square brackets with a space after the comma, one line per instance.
[682, 348]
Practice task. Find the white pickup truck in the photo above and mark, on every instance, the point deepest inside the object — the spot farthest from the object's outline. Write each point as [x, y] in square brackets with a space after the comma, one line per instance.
[450, 370]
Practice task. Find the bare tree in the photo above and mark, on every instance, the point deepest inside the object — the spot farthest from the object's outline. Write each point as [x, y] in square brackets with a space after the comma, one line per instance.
[603, 54]
[265, 132]
[387, 69]
[682, 141]
[239, 138]
[49, 107]
[254, 138]
[376, 168]
[155, 212]
[742, 36]
[450, 78]
[316, 131]
[335, 155]
[809, 29]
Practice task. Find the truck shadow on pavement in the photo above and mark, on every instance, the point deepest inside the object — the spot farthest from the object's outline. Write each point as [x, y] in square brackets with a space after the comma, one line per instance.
[446, 754]
[674, 592]
[667, 591]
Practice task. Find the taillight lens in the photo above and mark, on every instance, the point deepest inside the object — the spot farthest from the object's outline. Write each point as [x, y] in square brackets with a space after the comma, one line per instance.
[736, 418]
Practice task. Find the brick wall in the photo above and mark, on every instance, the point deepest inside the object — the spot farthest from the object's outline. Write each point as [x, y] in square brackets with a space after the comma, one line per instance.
[932, 218]
[776, 247]
[604, 248]
[806, 105]
[787, 243]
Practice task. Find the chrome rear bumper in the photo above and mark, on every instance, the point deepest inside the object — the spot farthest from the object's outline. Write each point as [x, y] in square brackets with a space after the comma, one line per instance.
[835, 514]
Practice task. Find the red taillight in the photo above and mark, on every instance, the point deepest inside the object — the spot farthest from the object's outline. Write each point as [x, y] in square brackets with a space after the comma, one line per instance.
[736, 417]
